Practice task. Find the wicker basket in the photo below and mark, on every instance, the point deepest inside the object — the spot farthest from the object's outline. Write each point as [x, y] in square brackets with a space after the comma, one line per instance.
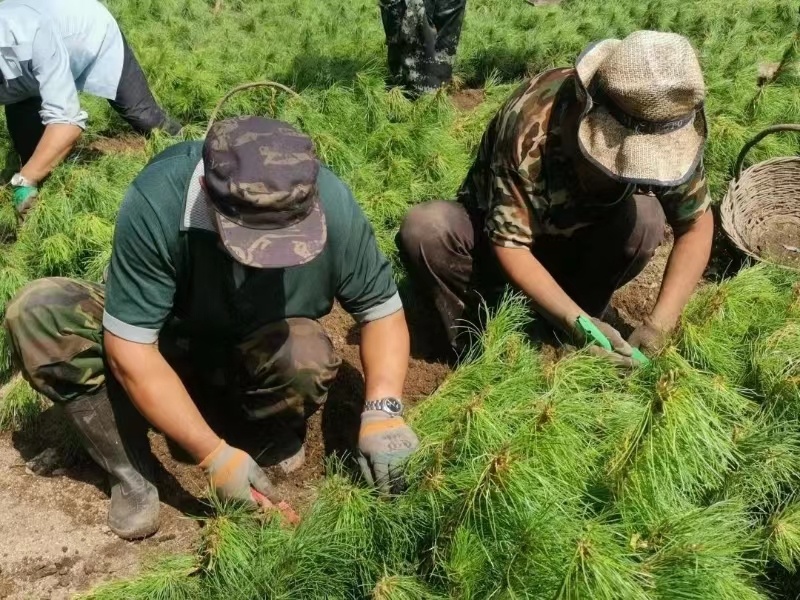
[763, 200]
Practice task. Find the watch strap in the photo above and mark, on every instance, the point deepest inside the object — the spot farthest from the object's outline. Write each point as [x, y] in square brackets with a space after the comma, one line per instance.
[19, 180]
[385, 405]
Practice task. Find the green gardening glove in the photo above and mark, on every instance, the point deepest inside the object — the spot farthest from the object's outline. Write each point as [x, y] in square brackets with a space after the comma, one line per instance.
[384, 444]
[24, 198]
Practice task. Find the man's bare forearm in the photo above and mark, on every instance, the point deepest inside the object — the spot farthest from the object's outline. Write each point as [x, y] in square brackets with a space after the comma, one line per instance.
[529, 276]
[57, 141]
[385, 349]
[158, 393]
[685, 267]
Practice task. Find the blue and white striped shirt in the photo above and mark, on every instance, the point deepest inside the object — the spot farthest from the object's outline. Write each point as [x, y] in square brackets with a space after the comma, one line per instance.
[54, 49]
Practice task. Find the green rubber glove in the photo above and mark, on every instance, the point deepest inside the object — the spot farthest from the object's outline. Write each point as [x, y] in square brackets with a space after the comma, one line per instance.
[24, 198]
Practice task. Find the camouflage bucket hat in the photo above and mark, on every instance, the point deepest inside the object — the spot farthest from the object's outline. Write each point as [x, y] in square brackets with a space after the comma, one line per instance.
[261, 178]
[643, 122]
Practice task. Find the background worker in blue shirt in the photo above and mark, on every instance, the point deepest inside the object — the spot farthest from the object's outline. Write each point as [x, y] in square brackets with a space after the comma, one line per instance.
[49, 51]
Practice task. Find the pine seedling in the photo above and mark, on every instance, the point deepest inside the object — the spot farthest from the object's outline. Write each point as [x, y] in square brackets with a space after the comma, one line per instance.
[229, 551]
[776, 362]
[169, 578]
[342, 546]
[722, 320]
[685, 444]
[701, 553]
[783, 543]
[20, 405]
[769, 463]
[603, 566]
[403, 587]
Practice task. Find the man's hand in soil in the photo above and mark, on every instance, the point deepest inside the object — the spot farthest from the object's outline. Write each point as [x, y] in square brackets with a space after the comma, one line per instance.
[621, 351]
[384, 444]
[234, 475]
[649, 337]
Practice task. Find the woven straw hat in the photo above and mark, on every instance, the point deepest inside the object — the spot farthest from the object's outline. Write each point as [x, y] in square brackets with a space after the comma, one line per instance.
[644, 121]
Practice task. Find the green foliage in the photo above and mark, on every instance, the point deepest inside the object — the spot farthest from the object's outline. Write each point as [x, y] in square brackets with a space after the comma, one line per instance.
[784, 540]
[723, 321]
[534, 479]
[169, 578]
[19, 405]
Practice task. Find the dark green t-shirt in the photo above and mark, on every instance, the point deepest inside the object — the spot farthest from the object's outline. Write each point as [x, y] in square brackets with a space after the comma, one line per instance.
[168, 268]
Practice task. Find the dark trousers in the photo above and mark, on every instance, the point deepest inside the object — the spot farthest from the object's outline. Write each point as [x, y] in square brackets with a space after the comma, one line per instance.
[449, 255]
[134, 103]
[422, 39]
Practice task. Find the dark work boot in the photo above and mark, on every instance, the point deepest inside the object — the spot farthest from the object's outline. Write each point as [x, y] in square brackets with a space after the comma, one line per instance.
[118, 443]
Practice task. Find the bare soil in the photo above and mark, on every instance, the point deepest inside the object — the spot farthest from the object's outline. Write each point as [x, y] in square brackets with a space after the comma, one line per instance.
[120, 144]
[632, 303]
[781, 243]
[53, 537]
[468, 99]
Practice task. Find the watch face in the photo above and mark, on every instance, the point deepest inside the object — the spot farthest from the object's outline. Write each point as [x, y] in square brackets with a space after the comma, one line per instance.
[394, 405]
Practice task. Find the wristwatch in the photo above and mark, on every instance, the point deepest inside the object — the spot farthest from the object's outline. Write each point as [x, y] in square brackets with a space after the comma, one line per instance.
[391, 406]
[19, 181]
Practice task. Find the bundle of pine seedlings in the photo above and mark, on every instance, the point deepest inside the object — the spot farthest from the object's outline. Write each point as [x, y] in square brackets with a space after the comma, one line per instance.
[723, 320]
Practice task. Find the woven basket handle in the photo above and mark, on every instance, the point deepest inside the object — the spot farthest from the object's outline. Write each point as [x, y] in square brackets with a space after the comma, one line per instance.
[758, 138]
[248, 86]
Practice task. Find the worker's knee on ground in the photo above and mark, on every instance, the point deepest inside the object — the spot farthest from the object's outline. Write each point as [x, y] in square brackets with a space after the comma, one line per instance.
[649, 230]
[54, 327]
[424, 229]
[303, 366]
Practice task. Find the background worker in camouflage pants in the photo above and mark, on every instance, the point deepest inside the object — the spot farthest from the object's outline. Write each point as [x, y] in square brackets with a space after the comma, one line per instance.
[422, 39]
[225, 255]
[568, 195]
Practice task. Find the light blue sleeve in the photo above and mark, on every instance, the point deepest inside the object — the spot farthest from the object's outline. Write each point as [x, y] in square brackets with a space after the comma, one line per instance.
[50, 64]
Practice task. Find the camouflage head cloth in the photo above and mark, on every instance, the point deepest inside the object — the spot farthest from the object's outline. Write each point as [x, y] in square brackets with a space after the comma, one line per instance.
[261, 177]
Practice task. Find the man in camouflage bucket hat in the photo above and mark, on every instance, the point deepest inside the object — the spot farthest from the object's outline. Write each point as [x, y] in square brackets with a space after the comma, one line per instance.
[568, 196]
[225, 255]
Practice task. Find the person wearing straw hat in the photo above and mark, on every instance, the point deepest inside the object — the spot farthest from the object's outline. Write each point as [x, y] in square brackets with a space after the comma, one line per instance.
[568, 197]
[225, 255]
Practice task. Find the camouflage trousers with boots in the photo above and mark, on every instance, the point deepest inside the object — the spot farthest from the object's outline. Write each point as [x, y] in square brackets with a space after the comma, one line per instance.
[422, 39]
[54, 326]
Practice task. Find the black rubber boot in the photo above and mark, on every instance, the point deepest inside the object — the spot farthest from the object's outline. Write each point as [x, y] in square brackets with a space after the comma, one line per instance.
[124, 453]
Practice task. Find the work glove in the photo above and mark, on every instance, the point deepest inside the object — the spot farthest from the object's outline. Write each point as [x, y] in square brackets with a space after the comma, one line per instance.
[649, 337]
[621, 351]
[24, 197]
[384, 444]
[234, 475]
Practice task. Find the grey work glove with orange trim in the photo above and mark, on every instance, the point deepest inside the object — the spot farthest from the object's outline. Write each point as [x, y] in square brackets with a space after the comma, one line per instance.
[384, 444]
[234, 475]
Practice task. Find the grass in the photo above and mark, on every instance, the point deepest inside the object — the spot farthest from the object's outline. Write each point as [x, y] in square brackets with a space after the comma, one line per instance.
[533, 480]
